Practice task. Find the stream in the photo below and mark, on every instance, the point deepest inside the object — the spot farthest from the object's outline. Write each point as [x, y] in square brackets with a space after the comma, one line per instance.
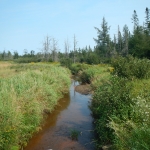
[72, 113]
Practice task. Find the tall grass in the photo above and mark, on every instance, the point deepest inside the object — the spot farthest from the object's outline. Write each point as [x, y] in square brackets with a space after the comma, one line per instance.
[24, 97]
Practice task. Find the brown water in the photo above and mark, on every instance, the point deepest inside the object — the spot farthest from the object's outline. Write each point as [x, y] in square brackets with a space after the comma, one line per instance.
[71, 113]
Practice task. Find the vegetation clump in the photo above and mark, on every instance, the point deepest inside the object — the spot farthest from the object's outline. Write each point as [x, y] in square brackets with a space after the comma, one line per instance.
[74, 134]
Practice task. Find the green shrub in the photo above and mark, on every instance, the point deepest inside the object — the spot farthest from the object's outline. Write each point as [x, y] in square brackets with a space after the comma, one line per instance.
[87, 75]
[133, 133]
[131, 67]
[77, 67]
[67, 62]
[95, 74]
[110, 99]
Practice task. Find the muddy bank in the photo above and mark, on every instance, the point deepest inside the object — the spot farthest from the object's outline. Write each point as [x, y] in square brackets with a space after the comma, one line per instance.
[83, 89]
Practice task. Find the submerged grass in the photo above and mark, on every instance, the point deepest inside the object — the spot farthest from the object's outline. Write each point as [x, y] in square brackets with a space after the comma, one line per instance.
[24, 96]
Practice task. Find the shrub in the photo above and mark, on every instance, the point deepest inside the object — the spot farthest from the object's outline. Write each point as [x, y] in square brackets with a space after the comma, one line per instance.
[77, 67]
[130, 67]
[110, 99]
[67, 62]
[95, 74]
[133, 133]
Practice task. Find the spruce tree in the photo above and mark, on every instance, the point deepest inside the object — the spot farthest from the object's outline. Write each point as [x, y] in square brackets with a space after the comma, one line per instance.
[147, 20]
[135, 20]
[103, 38]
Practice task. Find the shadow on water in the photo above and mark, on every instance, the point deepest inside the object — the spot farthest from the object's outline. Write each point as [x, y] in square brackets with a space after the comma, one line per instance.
[71, 113]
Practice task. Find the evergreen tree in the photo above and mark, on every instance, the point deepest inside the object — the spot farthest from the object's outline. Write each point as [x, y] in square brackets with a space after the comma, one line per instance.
[103, 39]
[135, 20]
[119, 41]
[16, 55]
[147, 21]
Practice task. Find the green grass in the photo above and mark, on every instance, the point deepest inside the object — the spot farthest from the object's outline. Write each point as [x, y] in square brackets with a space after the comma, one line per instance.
[74, 134]
[24, 96]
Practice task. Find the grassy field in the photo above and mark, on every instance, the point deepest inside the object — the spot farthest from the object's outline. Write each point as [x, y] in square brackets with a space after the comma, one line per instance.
[26, 90]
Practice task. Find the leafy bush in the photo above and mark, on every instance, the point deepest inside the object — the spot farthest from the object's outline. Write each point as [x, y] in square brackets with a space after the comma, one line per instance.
[121, 105]
[77, 67]
[131, 67]
[133, 133]
[67, 62]
[87, 75]
[110, 99]
[121, 108]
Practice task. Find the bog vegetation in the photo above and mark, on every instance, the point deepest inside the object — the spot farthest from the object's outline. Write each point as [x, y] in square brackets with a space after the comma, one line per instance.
[28, 91]
[118, 70]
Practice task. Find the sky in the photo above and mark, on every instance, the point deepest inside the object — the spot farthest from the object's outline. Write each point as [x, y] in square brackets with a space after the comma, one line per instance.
[24, 24]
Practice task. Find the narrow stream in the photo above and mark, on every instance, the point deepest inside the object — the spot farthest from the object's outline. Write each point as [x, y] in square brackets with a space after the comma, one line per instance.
[71, 114]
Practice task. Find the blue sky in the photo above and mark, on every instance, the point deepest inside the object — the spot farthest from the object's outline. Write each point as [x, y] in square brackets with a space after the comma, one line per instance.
[25, 23]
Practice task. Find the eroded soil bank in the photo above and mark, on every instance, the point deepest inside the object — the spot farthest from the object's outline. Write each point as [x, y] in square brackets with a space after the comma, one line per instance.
[72, 113]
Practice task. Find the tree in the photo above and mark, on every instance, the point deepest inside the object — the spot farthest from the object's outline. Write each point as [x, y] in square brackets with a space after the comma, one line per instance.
[46, 48]
[135, 20]
[147, 21]
[16, 55]
[32, 53]
[103, 38]
[9, 55]
[114, 52]
[119, 41]
[125, 40]
[54, 50]
[74, 48]
[67, 48]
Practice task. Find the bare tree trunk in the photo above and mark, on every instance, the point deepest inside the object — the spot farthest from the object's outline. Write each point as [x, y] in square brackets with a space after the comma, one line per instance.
[67, 47]
[74, 45]
[46, 48]
[54, 50]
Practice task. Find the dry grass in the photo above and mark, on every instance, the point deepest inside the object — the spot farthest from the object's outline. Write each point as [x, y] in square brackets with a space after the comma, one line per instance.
[5, 70]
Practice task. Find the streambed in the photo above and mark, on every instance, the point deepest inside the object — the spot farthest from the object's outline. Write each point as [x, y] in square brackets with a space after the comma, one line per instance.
[72, 113]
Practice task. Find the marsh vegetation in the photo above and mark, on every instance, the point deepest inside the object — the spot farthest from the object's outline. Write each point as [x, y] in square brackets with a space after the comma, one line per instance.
[26, 92]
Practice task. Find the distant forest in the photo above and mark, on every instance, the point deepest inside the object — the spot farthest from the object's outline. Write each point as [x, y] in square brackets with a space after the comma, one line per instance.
[125, 43]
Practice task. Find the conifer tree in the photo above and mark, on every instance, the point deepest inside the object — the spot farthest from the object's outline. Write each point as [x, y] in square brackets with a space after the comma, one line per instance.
[135, 20]
[103, 38]
[147, 20]
[119, 41]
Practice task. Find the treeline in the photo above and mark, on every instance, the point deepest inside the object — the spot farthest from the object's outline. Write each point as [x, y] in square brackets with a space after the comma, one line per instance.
[123, 43]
